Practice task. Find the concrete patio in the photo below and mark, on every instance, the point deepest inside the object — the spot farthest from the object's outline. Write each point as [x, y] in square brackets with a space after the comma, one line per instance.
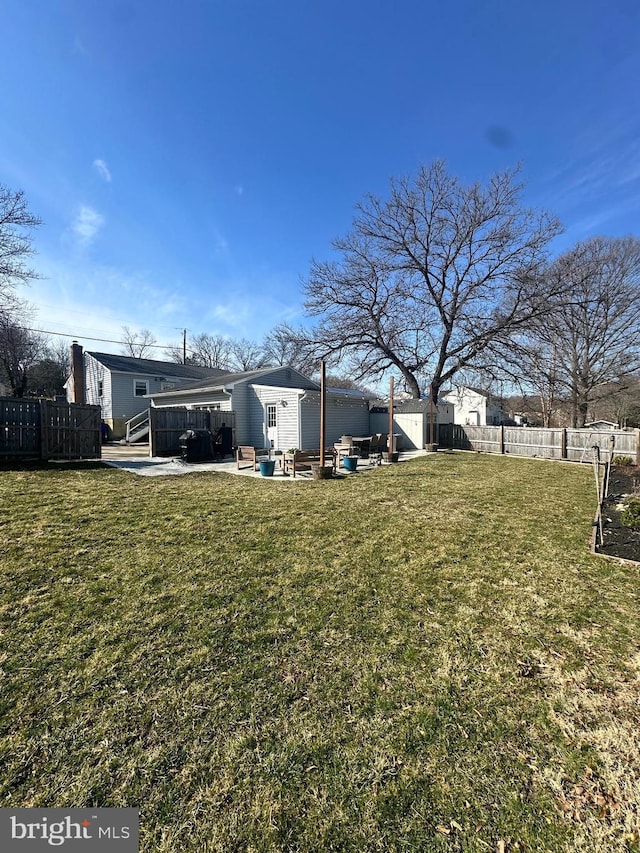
[136, 460]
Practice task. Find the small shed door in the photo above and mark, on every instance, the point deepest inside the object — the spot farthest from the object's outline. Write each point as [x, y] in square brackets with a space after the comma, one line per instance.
[272, 424]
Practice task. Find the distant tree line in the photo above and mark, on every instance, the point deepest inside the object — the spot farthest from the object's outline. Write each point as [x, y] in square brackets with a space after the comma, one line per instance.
[435, 281]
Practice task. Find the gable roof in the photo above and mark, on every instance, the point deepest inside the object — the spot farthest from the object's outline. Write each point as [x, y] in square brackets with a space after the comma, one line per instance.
[127, 364]
[224, 380]
[459, 391]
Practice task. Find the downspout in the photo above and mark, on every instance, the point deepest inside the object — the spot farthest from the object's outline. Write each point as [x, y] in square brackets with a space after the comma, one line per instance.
[301, 397]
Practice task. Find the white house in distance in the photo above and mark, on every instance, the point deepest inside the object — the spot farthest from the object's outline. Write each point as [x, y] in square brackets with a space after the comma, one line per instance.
[473, 407]
[275, 407]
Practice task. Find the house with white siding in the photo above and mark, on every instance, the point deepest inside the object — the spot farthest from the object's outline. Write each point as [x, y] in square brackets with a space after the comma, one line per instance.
[120, 385]
[275, 407]
[473, 407]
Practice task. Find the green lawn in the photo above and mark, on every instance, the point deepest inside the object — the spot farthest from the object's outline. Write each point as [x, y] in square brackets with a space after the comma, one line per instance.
[421, 658]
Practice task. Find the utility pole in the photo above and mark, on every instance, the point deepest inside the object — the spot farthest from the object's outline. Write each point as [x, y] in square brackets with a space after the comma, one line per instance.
[184, 346]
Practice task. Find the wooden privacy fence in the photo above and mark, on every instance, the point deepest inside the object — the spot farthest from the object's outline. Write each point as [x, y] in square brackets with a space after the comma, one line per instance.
[166, 425]
[43, 429]
[572, 444]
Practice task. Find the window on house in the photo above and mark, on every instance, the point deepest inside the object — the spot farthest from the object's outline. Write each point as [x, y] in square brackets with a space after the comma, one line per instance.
[100, 388]
[140, 387]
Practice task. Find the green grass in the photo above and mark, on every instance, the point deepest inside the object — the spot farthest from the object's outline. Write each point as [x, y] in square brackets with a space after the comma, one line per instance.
[422, 658]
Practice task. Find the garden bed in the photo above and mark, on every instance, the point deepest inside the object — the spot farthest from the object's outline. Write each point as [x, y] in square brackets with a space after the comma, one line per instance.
[620, 540]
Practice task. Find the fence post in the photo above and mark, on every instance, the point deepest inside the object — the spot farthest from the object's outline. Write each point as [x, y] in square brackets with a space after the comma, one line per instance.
[44, 442]
[638, 447]
[502, 439]
[563, 443]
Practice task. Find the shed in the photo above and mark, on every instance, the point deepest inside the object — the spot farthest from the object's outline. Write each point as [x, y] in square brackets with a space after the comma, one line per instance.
[411, 420]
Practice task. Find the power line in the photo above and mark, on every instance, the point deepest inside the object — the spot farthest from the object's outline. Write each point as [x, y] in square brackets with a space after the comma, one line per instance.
[88, 338]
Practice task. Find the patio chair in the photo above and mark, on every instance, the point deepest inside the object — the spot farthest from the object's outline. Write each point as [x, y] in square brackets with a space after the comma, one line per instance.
[377, 447]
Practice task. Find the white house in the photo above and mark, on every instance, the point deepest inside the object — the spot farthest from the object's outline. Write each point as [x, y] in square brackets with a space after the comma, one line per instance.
[120, 384]
[275, 407]
[473, 407]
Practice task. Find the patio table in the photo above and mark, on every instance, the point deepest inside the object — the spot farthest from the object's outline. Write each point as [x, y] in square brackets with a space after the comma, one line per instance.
[361, 443]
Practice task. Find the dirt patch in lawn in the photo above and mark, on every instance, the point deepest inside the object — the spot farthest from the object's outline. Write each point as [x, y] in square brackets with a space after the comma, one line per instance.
[618, 539]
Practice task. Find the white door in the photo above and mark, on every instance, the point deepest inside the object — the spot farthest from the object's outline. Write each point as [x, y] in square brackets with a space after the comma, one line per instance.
[271, 423]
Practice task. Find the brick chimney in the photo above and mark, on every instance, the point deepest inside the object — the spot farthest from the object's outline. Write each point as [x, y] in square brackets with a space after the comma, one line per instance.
[77, 372]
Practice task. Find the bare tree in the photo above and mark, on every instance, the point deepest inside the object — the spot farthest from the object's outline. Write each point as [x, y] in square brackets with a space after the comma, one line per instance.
[210, 351]
[15, 242]
[589, 341]
[246, 355]
[47, 376]
[285, 345]
[20, 349]
[137, 344]
[627, 403]
[428, 279]
[530, 364]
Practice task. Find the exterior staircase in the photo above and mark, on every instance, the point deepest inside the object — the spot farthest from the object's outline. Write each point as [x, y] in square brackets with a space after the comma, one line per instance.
[137, 428]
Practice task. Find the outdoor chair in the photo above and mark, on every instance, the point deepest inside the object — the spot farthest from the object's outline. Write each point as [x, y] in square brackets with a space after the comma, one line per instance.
[377, 448]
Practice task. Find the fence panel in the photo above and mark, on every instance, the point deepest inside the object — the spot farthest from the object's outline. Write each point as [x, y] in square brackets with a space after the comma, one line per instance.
[70, 431]
[572, 444]
[533, 441]
[19, 428]
[166, 425]
[483, 438]
[580, 442]
[42, 429]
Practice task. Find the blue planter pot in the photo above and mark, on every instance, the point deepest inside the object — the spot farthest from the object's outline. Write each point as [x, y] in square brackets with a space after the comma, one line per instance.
[350, 463]
[267, 467]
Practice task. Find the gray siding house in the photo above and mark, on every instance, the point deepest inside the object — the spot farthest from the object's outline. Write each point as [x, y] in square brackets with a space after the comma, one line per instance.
[120, 385]
[275, 407]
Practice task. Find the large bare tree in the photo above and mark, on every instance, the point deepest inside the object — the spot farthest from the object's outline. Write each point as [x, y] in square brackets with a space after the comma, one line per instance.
[589, 341]
[427, 279]
[16, 223]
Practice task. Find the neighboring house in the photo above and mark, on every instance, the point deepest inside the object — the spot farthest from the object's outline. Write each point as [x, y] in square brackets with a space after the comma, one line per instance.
[473, 407]
[275, 407]
[120, 384]
[411, 421]
[602, 425]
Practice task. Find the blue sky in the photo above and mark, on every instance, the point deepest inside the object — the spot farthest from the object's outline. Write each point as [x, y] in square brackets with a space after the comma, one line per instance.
[189, 159]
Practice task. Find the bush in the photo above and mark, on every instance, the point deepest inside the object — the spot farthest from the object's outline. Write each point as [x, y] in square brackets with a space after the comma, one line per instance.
[631, 513]
[622, 460]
